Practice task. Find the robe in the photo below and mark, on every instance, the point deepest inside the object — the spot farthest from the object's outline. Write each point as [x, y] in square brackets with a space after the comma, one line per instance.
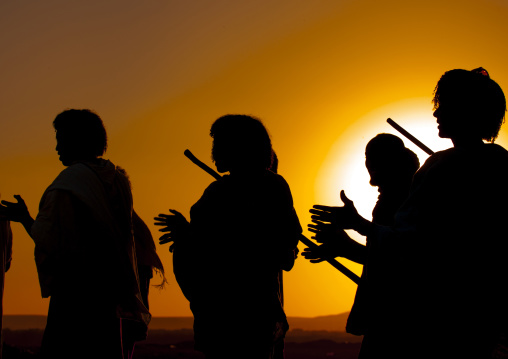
[242, 230]
[86, 262]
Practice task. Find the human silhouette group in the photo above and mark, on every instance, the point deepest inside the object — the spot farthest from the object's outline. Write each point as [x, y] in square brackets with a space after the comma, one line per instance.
[435, 271]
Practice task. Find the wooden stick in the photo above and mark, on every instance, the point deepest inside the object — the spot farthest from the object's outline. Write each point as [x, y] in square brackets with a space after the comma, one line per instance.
[201, 165]
[410, 137]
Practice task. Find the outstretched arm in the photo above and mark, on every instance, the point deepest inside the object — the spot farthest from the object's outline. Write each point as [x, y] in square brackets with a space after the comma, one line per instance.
[17, 212]
[345, 217]
[335, 243]
[326, 252]
[175, 224]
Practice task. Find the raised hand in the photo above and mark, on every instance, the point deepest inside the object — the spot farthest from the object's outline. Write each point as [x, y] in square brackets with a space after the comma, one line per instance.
[15, 212]
[175, 224]
[325, 232]
[318, 254]
[336, 243]
[345, 217]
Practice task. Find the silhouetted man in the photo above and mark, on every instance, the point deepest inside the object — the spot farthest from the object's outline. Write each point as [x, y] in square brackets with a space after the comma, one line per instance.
[84, 248]
[391, 167]
[450, 235]
[227, 260]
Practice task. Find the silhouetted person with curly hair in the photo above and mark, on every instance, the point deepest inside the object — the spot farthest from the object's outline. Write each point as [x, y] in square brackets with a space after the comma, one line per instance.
[227, 260]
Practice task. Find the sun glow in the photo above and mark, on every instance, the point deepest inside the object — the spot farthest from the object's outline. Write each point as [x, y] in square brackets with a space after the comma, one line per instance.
[344, 166]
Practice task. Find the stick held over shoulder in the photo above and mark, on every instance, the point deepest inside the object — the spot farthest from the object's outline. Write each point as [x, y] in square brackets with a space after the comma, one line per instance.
[201, 165]
[410, 137]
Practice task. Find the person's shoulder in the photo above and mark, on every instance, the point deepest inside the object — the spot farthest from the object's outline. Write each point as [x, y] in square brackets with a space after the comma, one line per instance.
[496, 159]
[72, 173]
[78, 178]
[437, 164]
[274, 176]
[446, 157]
[217, 186]
[497, 150]
[223, 181]
[274, 179]
[277, 186]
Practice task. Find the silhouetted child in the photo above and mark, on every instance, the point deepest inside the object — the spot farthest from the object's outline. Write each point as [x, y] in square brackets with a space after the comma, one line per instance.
[449, 236]
[240, 232]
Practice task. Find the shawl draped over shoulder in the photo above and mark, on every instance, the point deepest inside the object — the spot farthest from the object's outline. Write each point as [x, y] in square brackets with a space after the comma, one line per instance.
[84, 245]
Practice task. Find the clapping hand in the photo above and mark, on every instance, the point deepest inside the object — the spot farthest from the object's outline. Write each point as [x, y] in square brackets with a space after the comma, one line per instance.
[326, 233]
[328, 224]
[318, 254]
[175, 224]
[15, 212]
[335, 243]
[345, 217]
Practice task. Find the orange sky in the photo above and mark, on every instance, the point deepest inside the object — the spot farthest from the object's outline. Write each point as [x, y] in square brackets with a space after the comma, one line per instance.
[322, 75]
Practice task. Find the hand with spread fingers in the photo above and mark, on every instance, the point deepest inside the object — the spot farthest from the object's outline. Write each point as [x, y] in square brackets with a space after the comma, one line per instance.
[319, 254]
[17, 212]
[335, 243]
[345, 217]
[325, 232]
[175, 224]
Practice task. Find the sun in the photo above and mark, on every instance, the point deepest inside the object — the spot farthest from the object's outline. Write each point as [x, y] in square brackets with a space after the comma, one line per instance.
[344, 166]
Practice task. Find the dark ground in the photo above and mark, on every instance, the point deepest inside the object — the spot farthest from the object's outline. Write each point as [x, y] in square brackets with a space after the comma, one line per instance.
[173, 344]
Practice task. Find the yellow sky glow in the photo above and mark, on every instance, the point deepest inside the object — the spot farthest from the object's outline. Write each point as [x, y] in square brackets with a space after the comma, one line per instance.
[322, 75]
